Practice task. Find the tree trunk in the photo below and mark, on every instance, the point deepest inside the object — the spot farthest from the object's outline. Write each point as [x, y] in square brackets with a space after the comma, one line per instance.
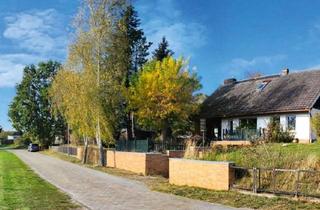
[85, 151]
[164, 131]
[100, 146]
[101, 161]
[129, 127]
[101, 155]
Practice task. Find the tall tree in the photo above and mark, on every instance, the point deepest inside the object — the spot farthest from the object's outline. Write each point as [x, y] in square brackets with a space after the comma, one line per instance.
[30, 110]
[163, 93]
[163, 50]
[129, 52]
[69, 97]
[136, 41]
[88, 54]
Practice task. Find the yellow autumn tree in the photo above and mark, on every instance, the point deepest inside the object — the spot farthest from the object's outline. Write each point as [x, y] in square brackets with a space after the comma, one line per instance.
[163, 93]
[88, 54]
[71, 100]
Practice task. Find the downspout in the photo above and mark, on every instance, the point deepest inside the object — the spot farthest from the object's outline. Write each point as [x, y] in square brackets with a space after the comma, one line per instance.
[310, 126]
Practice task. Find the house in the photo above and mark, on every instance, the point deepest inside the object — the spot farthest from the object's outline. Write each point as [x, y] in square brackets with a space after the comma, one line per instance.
[239, 110]
[13, 137]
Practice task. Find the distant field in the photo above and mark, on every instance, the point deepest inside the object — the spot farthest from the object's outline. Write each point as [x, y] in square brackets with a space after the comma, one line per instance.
[21, 188]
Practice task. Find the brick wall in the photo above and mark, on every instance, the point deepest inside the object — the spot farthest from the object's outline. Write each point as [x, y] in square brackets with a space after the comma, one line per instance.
[131, 161]
[80, 153]
[92, 155]
[157, 164]
[175, 153]
[197, 173]
[137, 162]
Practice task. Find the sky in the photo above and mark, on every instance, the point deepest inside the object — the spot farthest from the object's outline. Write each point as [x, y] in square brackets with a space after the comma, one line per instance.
[221, 39]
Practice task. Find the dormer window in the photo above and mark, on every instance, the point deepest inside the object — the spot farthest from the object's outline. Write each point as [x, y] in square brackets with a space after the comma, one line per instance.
[262, 85]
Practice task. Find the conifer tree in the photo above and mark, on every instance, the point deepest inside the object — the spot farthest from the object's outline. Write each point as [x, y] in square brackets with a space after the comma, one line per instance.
[129, 51]
[162, 51]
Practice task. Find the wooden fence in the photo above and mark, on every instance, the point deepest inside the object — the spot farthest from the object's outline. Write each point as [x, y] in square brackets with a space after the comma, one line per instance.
[295, 182]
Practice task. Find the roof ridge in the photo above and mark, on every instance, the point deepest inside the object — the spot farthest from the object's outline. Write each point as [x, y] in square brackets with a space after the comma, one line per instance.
[300, 71]
[259, 78]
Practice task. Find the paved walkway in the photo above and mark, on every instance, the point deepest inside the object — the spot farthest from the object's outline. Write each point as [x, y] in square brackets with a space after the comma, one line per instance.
[98, 190]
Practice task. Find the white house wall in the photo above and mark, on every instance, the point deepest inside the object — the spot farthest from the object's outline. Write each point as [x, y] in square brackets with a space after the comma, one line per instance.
[236, 123]
[283, 121]
[263, 121]
[303, 126]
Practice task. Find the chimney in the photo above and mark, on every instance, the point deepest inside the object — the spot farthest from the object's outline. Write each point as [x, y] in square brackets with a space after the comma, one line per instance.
[229, 81]
[285, 72]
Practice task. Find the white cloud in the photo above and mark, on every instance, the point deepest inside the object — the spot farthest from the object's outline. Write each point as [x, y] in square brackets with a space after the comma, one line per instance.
[164, 19]
[239, 66]
[35, 36]
[36, 31]
[241, 63]
[11, 67]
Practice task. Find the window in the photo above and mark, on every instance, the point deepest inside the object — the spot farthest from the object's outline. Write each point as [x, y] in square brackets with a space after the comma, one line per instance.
[291, 122]
[275, 120]
[248, 123]
[216, 132]
[262, 85]
[230, 125]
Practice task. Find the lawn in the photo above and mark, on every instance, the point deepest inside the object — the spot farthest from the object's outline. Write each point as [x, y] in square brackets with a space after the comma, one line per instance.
[21, 188]
[230, 198]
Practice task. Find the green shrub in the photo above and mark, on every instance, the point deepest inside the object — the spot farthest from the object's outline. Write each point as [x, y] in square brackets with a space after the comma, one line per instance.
[276, 134]
[315, 122]
[22, 141]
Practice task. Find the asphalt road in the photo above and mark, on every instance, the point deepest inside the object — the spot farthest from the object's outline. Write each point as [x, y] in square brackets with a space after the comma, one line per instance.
[98, 190]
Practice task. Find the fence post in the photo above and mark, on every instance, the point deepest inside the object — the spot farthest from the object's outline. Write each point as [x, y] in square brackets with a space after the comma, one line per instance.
[274, 180]
[254, 180]
[297, 183]
[259, 179]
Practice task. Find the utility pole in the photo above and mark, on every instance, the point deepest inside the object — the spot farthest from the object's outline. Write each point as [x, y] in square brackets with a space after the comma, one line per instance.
[203, 130]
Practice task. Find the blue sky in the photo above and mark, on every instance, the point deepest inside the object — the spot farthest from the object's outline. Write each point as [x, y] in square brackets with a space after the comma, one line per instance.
[221, 38]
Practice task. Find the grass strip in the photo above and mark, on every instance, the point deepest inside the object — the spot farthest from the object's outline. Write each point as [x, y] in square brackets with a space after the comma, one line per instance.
[21, 188]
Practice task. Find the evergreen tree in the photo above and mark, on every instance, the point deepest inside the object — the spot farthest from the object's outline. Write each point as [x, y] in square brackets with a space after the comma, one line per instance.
[162, 51]
[136, 41]
[129, 51]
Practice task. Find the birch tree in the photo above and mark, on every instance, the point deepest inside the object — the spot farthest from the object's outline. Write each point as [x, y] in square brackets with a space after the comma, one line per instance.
[68, 93]
[88, 54]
